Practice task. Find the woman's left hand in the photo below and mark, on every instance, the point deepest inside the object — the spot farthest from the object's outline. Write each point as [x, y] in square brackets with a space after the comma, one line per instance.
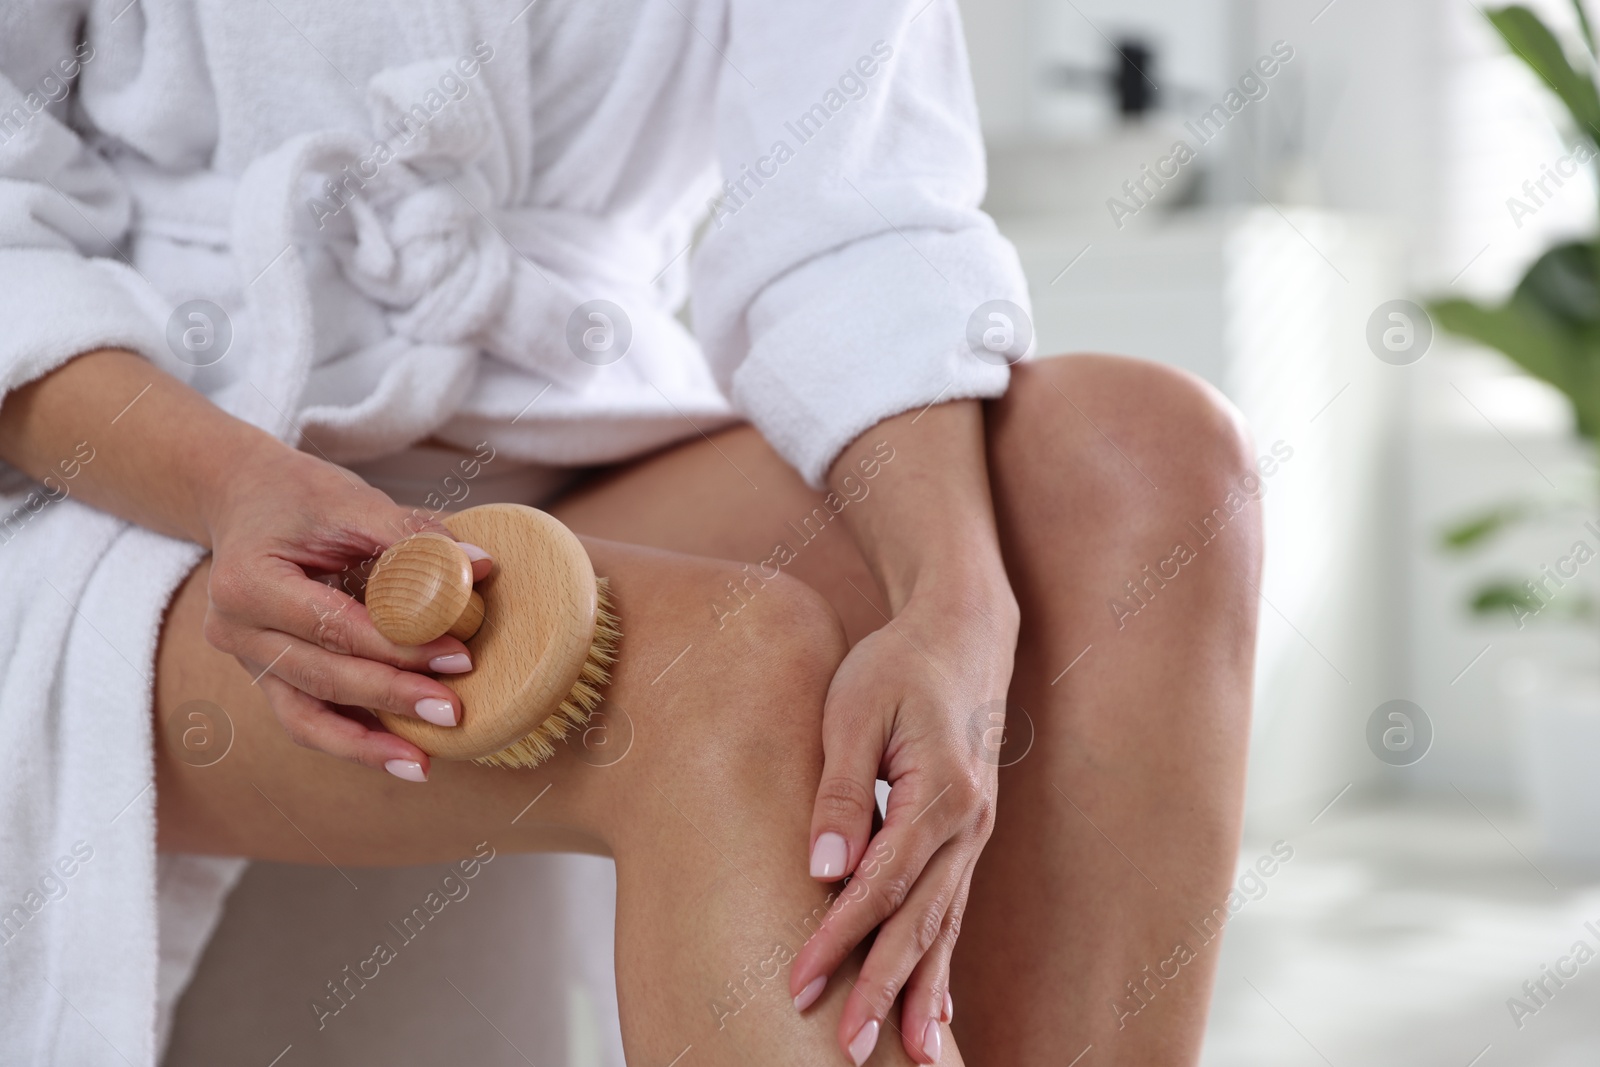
[912, 703]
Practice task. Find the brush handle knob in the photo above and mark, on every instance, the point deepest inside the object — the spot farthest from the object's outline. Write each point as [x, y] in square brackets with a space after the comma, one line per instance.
[421, 589]
[540, 614]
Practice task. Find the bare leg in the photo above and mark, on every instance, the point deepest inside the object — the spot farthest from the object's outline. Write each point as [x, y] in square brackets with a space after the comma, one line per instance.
[1135, 778]
[1120, 827]
[1135, 774]
[707, 815]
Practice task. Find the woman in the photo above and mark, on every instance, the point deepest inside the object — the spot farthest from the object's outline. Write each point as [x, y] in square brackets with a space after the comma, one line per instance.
[259, 250]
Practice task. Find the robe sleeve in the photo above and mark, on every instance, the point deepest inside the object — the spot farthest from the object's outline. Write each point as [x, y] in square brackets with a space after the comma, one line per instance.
[846, 257]
[65, 287]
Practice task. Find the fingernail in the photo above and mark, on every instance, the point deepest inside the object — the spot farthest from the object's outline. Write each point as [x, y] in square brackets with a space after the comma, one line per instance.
[828, 856]
[409, 769]
[930, 1042]
[862, 1044]
[454, 663]
[439, 712]
[808, 996]
[949, 1007]
[473, 552]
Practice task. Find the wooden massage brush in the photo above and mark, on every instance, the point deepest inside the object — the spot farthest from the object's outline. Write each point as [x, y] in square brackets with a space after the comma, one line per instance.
[539, 627]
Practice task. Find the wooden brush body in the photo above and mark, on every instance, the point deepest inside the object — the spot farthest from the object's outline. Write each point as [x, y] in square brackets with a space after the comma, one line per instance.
[541, 651]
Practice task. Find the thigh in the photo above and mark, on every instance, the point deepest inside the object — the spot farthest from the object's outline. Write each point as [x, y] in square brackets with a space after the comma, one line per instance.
[732, 497]
[689, 537]
[270, 799]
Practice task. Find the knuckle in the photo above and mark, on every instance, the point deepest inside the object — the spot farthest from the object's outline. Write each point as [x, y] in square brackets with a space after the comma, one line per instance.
[983, 816]
[950, 932]
[313, 677]
[894, 890]
[879, 994]
[974, 804]
[229, 588]
[297, 731]
[219, 633]
[335, 631]
[969, 792]
[395, 698]
[929, 925]
[844, 801]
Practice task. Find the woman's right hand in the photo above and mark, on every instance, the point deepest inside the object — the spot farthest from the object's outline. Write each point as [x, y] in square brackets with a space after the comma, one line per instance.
[276, 520]
[292, 537]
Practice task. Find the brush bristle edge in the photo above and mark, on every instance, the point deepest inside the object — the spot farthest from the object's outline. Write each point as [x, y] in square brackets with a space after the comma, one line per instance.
[579, 704]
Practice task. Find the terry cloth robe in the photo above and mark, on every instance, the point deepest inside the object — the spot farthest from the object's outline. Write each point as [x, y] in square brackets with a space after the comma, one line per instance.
[364, 224]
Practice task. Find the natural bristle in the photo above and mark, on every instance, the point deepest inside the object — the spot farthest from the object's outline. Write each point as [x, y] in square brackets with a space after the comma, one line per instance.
[575, 710]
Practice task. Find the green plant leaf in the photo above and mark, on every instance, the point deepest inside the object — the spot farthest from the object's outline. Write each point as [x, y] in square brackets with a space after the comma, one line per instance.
[1469, 533]
[1550, 327]
[1532, 40]
[1562, 282]
[1535, 342]
[1583, 24]
[1502, 596]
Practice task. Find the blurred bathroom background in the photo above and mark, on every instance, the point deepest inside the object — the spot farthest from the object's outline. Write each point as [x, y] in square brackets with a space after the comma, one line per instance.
[1442, 858]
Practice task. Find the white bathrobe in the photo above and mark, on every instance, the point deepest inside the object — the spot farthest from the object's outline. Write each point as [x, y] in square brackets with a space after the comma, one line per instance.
[470, 220]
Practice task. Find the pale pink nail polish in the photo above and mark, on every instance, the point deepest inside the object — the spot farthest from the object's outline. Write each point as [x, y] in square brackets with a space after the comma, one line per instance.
[864, 1042]
[454, 663]
[828, 856]
[930, 1041]
[439, 712]
[949, 1007]
[409, 769]
[473, 552]
[808, 996]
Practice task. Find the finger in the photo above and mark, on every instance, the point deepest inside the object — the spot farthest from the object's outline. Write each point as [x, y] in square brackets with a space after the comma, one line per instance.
[361, 683]
[914, 828]
[278, 596]
[312, 724]
[841, 818]
[353, 580]
[923, 1005]
[482, 564]
[902, 942]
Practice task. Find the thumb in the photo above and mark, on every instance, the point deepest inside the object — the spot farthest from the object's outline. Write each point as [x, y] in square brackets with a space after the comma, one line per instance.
[841, 821]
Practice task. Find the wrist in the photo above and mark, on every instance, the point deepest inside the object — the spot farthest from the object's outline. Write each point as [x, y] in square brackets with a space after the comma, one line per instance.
[927, 528]
[962, 587]
[216, 485]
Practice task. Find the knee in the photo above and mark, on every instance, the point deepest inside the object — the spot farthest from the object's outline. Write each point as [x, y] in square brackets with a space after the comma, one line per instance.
[1138, 442]
[783, 648]
[764, 677]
